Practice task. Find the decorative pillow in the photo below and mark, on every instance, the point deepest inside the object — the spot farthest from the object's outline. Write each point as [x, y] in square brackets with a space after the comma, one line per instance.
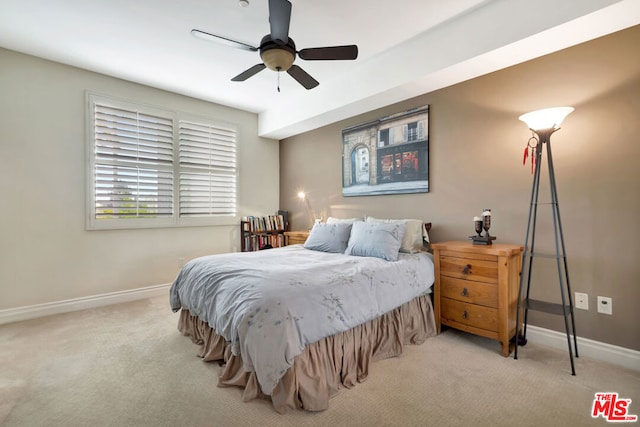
[415, 232]
[328, 237]
[380, 240]
[332, 220]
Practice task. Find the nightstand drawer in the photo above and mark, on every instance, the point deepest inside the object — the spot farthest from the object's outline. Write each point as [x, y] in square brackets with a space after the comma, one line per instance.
[467, 268]
[469, 314]
[468, 291]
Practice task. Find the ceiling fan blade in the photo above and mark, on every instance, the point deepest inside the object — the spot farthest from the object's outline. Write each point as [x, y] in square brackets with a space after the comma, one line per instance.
[248, 73]
[219, 39]
[302, 77]
[329, 53]
[279, 19]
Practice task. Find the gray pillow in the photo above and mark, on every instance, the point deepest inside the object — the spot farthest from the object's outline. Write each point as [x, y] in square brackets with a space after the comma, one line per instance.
[373, 239]
[329, 237]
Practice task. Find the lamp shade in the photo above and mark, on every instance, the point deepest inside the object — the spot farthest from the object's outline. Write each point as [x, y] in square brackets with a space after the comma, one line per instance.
[549, 118]
[278, 59]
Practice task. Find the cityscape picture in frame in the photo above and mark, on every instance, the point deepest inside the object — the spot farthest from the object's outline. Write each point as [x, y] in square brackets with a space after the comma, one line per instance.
[387, 156]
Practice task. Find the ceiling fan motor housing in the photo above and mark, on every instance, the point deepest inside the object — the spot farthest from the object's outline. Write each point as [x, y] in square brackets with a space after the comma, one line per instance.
[275, 56]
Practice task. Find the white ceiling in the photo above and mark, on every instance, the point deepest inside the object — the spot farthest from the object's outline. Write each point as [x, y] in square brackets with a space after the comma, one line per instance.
[405, 48]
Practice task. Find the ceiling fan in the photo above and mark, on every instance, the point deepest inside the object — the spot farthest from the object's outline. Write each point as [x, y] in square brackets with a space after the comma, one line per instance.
[278, 51]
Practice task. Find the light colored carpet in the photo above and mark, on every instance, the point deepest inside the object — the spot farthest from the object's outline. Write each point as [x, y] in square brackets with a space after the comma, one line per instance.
[127, 365]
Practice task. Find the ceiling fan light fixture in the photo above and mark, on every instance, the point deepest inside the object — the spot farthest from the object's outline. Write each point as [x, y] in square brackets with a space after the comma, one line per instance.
[278, 51]
[277, 59]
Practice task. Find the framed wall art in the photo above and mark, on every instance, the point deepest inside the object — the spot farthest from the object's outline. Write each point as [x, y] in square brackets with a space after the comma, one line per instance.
[387, 156]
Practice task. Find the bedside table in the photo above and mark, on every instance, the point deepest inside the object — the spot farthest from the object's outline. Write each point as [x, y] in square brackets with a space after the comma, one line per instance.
[476, 288]
[295, 237]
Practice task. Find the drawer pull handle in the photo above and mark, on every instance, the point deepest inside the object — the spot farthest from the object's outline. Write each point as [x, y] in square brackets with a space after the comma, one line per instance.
[465, 292]
[466, 269]
[465, 315]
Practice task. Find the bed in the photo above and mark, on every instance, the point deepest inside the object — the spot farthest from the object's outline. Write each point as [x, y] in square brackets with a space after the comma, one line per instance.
[297, 324]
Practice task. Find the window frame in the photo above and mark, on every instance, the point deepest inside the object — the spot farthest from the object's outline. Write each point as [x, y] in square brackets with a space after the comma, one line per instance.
[170, 221]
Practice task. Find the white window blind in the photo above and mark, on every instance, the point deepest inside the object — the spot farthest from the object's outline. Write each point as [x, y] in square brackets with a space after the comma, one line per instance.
[207, 159]
[133, 164]
[150, 167]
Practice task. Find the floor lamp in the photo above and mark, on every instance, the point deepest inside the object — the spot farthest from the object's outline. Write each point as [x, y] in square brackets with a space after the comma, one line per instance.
[543, 123]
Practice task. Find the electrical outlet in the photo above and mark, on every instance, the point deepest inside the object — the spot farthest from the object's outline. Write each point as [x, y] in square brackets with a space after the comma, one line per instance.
[582, 301]
[605, 305]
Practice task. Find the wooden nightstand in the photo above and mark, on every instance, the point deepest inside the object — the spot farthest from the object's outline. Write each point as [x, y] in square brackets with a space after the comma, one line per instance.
[295, 237]
[476, 288]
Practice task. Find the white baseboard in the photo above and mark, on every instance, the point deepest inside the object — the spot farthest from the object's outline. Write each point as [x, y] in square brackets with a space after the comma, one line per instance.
[597, 350]
[40, 310]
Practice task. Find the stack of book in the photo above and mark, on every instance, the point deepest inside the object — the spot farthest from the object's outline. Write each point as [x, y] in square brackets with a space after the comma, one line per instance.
[262, 232]
[264, 223]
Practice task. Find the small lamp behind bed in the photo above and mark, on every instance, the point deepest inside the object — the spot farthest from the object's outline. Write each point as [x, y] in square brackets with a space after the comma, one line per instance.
[312, 215]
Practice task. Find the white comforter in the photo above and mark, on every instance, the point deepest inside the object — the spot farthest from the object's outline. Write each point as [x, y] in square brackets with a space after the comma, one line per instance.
[269, 304]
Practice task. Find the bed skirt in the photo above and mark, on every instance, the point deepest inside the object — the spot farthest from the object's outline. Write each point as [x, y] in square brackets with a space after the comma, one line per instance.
[326, 366]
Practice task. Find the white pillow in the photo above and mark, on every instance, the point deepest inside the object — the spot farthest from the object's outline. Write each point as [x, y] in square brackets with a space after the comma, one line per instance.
[380, 240]
[415, 232]
[332, 220]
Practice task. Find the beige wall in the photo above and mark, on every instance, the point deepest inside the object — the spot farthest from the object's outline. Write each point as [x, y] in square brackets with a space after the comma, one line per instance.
[476, 152]
[46, 255]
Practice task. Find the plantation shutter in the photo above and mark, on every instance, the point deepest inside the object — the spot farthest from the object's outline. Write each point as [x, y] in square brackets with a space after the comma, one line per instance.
[420, 130]
[207, 162]
[133, 164]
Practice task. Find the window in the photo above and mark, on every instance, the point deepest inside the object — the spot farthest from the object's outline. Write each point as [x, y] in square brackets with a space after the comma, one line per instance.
[383, 137]
[414, 131]
[149, 167]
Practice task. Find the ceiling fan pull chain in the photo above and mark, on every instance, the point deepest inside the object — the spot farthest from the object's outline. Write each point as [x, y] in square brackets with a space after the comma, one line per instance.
[278, 79]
